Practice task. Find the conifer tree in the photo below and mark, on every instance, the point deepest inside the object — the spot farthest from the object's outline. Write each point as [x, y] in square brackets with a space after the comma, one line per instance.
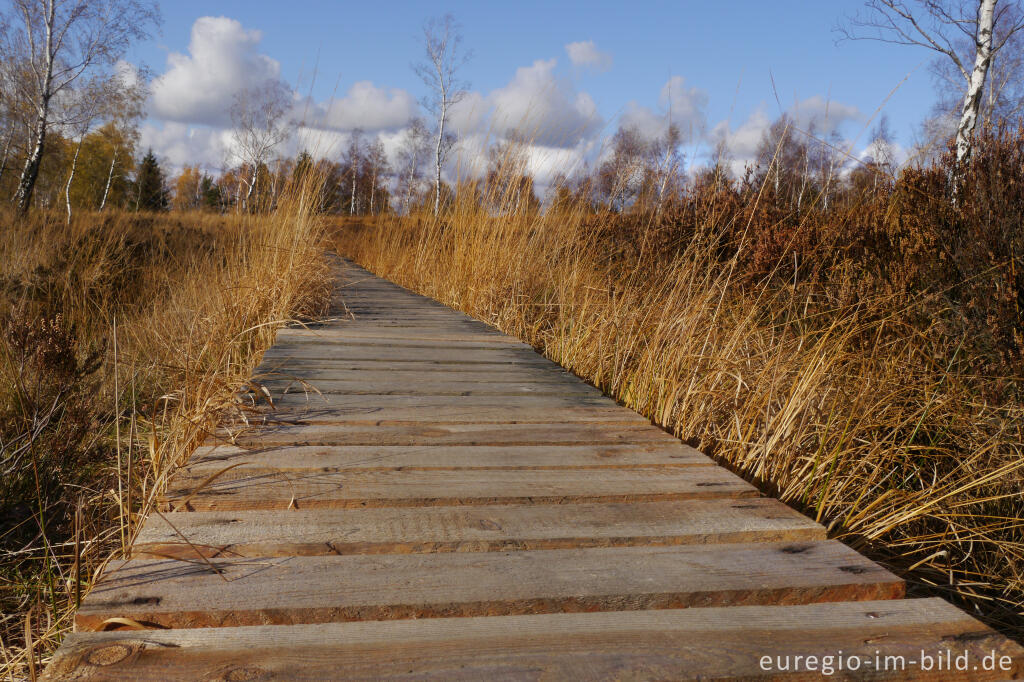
[150, 185]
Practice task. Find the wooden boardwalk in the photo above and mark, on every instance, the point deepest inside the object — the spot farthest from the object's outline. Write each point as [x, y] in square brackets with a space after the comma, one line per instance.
[448, 504]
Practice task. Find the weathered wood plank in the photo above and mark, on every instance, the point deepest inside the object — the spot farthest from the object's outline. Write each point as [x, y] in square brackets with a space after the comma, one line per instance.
[209, 459]
[467, 414]
[297, 367]
[385, 335]
[289, 590]
[439, 354]
[397, 338]
[388, 380]
[689, 644]
[448, 434]
[459, 325]
[293, 402]
[239, 489]
[439, 386]
[470, 529]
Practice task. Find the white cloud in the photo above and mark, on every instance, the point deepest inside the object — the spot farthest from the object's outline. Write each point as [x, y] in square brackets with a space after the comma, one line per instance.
[685, 106]
[585, 53]
[547, 163]
[470, 114]
[821, 116]
[543, 107]
[179, 145]
[368, 107]
[742, 143]
[223, 59]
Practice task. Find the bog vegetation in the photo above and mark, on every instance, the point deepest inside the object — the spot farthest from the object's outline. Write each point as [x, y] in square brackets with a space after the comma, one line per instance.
[847, 333]
[854, 345]
[122, 336]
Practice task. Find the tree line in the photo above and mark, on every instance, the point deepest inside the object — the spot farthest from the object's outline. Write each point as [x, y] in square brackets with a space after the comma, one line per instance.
[70, 110]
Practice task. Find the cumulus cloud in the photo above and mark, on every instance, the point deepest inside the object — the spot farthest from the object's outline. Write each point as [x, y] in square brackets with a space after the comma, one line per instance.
[543, 107]
[469, 115]
[586, 54]
[742, 142]
[179, 145]
[223, 59]
[368, 107]
[685, 107]
[821, 115]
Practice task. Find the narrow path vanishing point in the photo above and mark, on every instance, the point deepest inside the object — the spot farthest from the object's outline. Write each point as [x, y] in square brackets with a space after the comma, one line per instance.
[455, 506]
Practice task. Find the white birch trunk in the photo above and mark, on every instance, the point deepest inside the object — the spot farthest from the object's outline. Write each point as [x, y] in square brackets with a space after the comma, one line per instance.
[71, 177]
[352, 199]
[252, 186]
[976, 82]
[31, 170]
[110, 178]
[437, 152]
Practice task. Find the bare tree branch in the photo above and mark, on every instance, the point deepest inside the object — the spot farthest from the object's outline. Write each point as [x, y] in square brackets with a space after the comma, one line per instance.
[936, 25]
[444, 57]
[59, 42]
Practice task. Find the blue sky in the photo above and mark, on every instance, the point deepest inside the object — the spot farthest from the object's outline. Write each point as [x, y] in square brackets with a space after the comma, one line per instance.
[727, 55]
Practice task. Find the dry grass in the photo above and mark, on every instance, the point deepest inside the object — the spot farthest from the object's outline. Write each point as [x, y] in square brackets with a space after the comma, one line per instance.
[124, 338]
[850, 408]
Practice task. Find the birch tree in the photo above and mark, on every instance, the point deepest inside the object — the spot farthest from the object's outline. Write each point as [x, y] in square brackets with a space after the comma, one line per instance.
[354, 160]
[110, 99]
[411, 156]
[937, 25]
[377, 162]
[442, 42]
[54, 45]
[261, 120]
[1003, 99]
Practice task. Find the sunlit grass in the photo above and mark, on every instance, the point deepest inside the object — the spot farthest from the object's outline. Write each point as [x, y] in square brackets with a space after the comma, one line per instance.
[177, 310]
[849, 410]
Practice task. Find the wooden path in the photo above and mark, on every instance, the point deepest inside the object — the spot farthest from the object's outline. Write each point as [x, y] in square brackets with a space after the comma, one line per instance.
[448, 504]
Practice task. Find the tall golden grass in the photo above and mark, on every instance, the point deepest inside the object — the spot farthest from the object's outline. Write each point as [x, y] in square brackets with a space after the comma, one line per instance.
[124, 337]
[847, 407]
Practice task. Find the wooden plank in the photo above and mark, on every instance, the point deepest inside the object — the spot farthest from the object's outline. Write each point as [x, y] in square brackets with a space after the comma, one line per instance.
[384, 335]
[460, 375]
[373, 304]
[446, 434]
[358, 334]
[440, 386]
[468, 414]
[470, 529]
[460, 325]
[329, 339]
[296, 402]
[385, 315]
[676, 644]
[358, 488]
[334, 458]
[296, 366]
[377, 353]
[289, 590]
